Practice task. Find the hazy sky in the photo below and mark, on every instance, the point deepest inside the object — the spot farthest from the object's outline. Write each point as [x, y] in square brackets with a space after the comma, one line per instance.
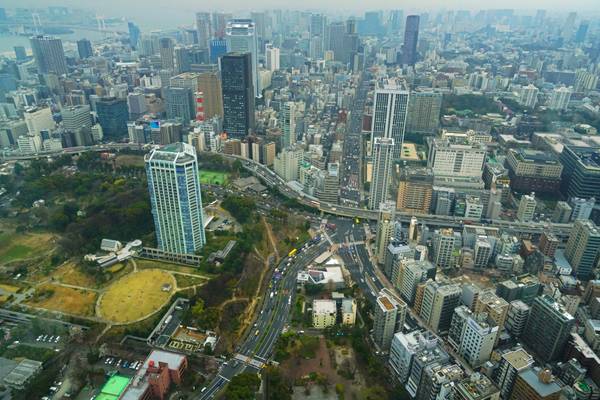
[171, 12]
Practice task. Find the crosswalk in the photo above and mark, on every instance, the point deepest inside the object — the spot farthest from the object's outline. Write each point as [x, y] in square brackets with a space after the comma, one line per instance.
[249, 360]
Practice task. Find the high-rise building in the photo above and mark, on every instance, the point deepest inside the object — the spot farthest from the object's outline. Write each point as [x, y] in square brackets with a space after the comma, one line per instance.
[38, 119]
[403, 350]
[525, 288]
[272, 58]
[76, 117]
[84, 48]
[438, 380]
[562, 212]
[331, 184]
[533, 171]
[424, 110]
[411, 273]
[511, 363]
[20, 53]
[385, 228]
[472, 335]
[445, 244]
[112, 116]
[516, 318]
[238, 94]
[581, 171]
[559, 100]
[389, 114]
[536, 384]
[382, 168]
[336, 32]
[241, 38]
[529, 95]
[439, 302]
[415, 190]
[548, 328]
[134, 34]
[411, 38]
[581, 208]
[583, 248]
[390, 312]
[526, 209]
[166, 48]
[174, 186]
[204, 29]
[287, 163]
[287, 121]
[453, 159]
[180, 104]
[49, 55]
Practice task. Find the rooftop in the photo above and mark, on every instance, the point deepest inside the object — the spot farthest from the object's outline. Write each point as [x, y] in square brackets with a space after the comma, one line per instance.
[519, 359]
[544, 389]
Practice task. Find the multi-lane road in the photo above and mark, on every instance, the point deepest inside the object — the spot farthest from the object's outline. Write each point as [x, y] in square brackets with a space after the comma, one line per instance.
[273, 318]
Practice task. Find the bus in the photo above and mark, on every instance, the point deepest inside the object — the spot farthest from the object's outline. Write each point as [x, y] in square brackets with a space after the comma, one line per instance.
[292, 253]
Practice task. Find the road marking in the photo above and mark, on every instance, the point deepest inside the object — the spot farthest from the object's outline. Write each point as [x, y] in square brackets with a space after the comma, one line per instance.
[222, 377]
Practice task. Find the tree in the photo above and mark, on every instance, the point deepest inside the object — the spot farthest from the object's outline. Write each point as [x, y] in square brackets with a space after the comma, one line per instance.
[242, 387]
[276, 387]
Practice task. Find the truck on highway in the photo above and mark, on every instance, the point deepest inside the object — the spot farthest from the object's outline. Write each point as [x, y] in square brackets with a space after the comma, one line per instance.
[292, 253]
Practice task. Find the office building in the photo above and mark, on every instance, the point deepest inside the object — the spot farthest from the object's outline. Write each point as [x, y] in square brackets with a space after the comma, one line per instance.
[438, 380]
[238, 94]
[494, 306]
[76, 118]
[533, 170]
[472, 335]
[529, 96]
[84, 49]
[203, 29]
[385, 228]
[134, 34]
[411, 39]
[38, 119]
[166, 49]
[175, 196]
[287, 163]
[562, 212]
[272, 58]
[49, 55]
[390, 312]
[425, 357]
[20, 53]
[512, 362]
[581, 171]
[526, 209]
[389, 114]
[516, 318]
[209, 84]
[446, 243]
[409, 275]
[241, 38]
[548, 243]
[454, 159]
[424, 108]
[382, 168]
[536, 384]
[415, 190]
[439, 302]
[403, 349]
[524, 287]
[136, 105]
[582, 248]
[180, 104]
[559, 100]
[581, 208]
[548, 328]
[331, 184]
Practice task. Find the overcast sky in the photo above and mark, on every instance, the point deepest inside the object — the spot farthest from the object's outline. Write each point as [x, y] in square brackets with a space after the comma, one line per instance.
[163, 13]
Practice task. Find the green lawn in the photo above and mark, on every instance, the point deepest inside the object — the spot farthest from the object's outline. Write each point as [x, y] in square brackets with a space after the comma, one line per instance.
[214, 177]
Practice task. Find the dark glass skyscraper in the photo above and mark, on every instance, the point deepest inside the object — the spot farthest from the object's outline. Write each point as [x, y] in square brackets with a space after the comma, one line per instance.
[49, 55]
[411, 37]
[134, 34]
[112, 117]
[238, 94]
[84, 48]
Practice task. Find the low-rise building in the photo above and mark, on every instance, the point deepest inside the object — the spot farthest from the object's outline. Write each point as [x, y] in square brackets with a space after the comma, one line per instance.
[324, 313]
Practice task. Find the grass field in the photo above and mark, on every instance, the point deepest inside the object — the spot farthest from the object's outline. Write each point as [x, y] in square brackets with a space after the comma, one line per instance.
[129, 160]
[135, 296]
[17, 246]
[68, 300]
[149, 264]
[9, 288]
[214, 177]
[184, 281]
[71, 274]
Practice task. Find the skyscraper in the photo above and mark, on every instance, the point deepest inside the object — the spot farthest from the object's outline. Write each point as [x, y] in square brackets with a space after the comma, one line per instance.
[272, 57]
[385, 228]
[383, 148]
[174, 186]
[112, 116]
[204, 29]
[241, 38]
[439, 302]
[526, 209]
[238, 94]
[424, 110]
[49, 55]
[411, 37]
[84, 49]
[548, 328]
[180, 104]
[134, 34]
[389, 114]
[167, 53]
[287, 121]
[583, 247]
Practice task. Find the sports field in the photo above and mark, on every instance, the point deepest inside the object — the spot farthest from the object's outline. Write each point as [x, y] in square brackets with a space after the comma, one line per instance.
[136, 295]
[213, 178]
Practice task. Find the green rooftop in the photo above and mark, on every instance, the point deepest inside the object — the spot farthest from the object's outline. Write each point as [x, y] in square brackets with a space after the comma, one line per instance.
[113, 388]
